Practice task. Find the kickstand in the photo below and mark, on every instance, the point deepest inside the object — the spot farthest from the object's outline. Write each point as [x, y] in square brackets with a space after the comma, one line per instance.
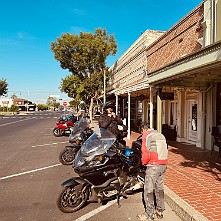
[118, 200]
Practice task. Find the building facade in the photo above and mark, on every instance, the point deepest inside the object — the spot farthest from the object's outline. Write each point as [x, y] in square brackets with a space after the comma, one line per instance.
[127, 75]
[180, 90]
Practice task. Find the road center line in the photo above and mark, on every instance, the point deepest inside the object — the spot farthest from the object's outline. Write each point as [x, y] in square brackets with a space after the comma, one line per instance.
[96, 211]
[31, 171]
[42, 145]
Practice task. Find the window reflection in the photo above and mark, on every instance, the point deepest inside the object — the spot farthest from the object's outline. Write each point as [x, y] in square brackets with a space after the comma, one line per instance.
[194, 117]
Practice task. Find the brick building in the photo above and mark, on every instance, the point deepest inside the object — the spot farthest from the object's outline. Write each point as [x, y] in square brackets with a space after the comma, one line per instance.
[24, 105]
[178, 89]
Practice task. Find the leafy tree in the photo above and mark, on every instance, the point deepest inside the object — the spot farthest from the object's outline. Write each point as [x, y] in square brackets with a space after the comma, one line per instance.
[3, 87]
[70, 84]
[52, 103]
[57, 104]
[85, 57]
[42, 107]
[14, 108]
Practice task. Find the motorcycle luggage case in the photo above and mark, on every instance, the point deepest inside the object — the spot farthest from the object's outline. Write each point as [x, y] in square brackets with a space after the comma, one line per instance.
[98, 176]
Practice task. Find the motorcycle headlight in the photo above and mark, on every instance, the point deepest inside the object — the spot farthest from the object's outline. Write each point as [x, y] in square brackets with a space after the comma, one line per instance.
[78, 162]
[100, 158]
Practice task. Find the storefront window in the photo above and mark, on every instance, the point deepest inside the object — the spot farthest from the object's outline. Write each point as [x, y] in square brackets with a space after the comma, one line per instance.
[194, 117]
[218, 103]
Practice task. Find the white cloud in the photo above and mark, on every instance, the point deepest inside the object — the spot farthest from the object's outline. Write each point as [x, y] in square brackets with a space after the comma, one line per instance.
[24, 35]
[77, 11]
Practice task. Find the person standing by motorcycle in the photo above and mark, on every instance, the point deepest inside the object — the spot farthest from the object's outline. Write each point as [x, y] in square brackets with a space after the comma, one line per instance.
[109, 120]
[154, 157]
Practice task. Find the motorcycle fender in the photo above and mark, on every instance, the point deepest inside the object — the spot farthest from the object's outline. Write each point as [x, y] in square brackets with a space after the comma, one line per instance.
[70, 182]
[76, 182]
[62, 126]
[73, 182]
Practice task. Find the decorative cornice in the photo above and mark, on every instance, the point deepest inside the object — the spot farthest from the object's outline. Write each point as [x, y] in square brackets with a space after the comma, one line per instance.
[205, 51]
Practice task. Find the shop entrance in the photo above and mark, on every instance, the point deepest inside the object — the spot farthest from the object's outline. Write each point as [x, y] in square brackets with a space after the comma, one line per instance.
[192, 121]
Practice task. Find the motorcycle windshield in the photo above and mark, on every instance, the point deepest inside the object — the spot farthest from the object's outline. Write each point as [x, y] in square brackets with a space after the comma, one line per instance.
[97, 144]
[79, 126]
[62, 117]
[72, 118]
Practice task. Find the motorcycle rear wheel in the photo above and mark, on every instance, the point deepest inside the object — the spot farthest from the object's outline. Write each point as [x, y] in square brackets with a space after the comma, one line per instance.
[68, 200]
[57, 132]
[67, 155]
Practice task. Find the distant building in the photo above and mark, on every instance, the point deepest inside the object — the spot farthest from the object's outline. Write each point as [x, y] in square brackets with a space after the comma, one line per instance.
[24, 105]
[6, 102]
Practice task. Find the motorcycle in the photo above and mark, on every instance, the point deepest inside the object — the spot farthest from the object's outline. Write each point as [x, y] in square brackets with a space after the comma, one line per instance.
[64, 125]
[105, 171]
[81, 131]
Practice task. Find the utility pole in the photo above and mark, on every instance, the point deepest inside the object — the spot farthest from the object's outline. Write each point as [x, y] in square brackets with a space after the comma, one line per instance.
[104, 87]
[36, 109]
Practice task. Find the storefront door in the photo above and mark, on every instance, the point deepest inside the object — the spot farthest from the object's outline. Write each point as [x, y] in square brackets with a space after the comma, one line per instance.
[192, 121]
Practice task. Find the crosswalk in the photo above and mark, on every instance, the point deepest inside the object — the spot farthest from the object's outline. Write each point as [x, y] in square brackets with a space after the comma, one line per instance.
[29, 116]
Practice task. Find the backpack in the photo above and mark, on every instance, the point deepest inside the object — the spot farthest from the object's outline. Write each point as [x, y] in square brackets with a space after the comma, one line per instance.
[156, 142]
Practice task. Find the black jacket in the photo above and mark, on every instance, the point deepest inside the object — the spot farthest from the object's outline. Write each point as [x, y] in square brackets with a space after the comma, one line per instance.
[110, 123]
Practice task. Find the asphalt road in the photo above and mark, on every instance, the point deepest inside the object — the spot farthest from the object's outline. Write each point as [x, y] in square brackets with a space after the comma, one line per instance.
[31, 174]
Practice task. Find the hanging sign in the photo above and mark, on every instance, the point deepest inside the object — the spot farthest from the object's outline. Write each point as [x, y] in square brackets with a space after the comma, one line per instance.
[167, 96]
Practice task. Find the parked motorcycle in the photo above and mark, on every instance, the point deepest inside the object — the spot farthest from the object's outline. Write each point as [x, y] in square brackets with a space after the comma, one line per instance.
[64, 125]
[105, 171]
[81, 131]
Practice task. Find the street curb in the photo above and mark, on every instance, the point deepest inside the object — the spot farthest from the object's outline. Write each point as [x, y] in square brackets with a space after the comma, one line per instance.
[181, 208]
[177, 204]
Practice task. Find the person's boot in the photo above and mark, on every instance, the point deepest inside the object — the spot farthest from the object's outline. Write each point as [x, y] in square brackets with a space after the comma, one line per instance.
[159, 214]
[144, 217]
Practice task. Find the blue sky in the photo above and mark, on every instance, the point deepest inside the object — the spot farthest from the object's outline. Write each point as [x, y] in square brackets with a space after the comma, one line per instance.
[27, 27]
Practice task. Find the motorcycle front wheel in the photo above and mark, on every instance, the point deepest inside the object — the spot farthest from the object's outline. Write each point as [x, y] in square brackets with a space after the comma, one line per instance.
[67, 155]
[57, 132]
[69, 200]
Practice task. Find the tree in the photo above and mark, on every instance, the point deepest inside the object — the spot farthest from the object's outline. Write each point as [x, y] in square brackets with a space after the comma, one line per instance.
[42, 107]
[14, 108]
[3, 87]
[85, 57]
[52, 103]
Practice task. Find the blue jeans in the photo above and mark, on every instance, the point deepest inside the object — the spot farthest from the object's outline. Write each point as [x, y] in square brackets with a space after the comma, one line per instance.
[154, 183]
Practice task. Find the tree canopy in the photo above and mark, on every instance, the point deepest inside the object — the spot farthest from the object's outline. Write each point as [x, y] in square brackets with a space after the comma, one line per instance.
[3, 87]
[84, 55]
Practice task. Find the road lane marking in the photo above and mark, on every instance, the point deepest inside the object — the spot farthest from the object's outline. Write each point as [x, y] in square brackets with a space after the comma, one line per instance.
[30, 171]
[96, 211]
[82, 218]
[2, 125]
[48, 144]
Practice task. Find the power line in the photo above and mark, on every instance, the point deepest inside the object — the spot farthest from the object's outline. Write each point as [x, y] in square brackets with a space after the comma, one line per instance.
[35, 92]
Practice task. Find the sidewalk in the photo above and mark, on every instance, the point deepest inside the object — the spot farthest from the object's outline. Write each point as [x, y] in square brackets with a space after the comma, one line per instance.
[193, 182]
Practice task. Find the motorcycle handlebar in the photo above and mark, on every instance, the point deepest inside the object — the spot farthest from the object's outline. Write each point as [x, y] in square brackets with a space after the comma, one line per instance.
[118, 150]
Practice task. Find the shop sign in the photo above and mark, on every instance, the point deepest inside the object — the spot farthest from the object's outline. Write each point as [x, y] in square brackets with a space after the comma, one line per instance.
[167, 96]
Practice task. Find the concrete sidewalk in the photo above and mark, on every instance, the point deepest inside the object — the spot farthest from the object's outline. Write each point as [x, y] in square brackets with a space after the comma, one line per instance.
[193, 181]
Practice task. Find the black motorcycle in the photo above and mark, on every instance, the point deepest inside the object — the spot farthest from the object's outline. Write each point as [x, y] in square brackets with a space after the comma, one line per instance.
[105, 170]
[80, 132]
